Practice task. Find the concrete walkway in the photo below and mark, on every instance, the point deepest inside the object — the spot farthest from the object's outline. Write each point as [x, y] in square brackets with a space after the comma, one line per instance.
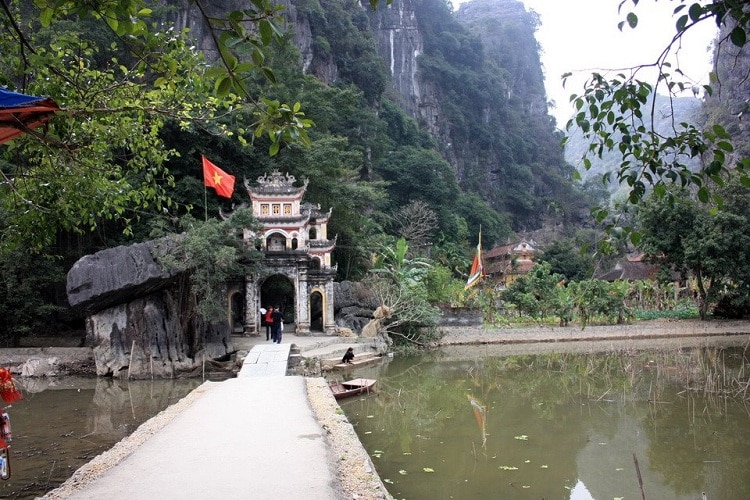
[252, 437]
[266, 360]
[242, 438]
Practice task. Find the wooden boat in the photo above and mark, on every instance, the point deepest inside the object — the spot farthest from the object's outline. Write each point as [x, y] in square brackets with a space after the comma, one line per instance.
[352, 387]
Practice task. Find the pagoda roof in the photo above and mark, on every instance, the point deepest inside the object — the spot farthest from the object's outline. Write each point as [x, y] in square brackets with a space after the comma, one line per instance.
[518, 248]
[276, 184]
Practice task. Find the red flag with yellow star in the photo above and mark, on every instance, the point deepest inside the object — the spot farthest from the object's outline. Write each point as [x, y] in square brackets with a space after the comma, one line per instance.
[216, 178]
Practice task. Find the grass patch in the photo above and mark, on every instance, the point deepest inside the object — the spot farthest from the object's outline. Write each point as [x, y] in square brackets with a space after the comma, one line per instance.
[686, 312]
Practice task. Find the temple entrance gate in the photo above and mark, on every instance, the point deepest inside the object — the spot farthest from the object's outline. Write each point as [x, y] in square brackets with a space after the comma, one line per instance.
[298, 275]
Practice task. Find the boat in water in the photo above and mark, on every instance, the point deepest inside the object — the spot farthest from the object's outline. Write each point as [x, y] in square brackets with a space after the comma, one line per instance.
[352, 387]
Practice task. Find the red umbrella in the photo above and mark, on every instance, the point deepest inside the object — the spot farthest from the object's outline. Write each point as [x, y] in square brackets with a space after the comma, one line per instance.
[21, 112]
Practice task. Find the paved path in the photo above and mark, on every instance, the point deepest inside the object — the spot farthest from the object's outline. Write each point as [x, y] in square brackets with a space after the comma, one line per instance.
[265, 360]
[252, 437]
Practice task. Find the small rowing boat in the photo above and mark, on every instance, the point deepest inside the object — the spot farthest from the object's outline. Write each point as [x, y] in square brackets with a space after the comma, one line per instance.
[352, 387]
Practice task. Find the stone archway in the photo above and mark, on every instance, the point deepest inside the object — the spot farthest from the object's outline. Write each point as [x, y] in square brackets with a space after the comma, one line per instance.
[277, 290]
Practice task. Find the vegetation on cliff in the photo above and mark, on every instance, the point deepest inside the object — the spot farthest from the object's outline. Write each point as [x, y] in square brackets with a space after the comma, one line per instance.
[140, 104]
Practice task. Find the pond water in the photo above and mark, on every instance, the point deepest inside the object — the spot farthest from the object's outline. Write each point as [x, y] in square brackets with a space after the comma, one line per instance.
[465, 423]
[61, 424]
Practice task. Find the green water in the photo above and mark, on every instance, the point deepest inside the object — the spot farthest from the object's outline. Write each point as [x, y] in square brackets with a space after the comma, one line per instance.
[467, 425]
[61, 424]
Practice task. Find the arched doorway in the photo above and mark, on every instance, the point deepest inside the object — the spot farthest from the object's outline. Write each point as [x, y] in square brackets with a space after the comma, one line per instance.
[277, 290]
[236, 311]
[316, 312]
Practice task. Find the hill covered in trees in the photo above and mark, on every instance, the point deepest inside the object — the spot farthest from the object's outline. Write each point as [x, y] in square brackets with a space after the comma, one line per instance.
[416, 110]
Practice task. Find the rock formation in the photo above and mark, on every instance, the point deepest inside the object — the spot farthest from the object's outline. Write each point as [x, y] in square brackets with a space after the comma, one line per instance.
[354, 305]
[137, 320]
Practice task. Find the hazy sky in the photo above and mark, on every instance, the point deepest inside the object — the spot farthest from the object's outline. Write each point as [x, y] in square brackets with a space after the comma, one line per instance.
[579, 36]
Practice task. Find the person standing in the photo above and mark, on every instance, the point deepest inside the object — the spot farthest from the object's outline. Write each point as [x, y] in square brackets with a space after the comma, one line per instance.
[277, 319]
[268, 321]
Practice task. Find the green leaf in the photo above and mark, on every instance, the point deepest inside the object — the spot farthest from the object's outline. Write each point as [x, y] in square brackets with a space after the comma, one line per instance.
[738, 36]
[635, 238]
[703, 194]
[266, 31]
[223, 86]
[45, 17]
[632, 20]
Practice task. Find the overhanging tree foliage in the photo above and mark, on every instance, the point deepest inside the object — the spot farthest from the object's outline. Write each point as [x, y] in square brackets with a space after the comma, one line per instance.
[398, 283]
[208, 255]
[119, 75]
[617, 114]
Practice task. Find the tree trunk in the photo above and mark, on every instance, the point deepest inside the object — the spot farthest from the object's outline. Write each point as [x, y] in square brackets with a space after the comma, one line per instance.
[702, 296]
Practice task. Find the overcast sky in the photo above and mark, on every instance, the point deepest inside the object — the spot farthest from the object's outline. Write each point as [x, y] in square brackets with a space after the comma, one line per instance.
[579, 36]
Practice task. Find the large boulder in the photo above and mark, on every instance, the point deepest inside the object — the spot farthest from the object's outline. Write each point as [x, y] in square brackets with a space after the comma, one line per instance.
[353, 318]
[354, 305]
[115, 276]
[138, 320]
[353, 293]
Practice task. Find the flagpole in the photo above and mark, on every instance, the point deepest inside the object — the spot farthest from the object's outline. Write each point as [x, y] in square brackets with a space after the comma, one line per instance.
[205, 202]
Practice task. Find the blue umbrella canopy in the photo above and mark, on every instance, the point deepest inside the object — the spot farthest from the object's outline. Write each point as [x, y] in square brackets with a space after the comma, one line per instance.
[20, 113]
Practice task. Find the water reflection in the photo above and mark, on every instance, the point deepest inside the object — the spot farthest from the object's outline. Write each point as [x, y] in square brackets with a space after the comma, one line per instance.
[559, 425]
[62, 424]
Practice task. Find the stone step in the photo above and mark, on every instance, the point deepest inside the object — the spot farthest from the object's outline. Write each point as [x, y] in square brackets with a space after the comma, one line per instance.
[337, 348]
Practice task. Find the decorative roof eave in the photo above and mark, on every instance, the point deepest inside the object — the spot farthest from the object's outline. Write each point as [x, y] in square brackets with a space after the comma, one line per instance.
[322, 245]
[321, 251]
[316, 244]
[320, 216]
[315, 210]
[294, 194]
[271, 221]
[276, 184]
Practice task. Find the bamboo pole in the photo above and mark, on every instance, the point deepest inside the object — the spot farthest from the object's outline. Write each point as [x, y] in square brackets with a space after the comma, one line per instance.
[130, 364]
[640, 479]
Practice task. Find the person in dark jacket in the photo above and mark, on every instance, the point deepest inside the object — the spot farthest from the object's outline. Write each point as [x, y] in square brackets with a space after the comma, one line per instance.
[277, 318]
[348, 356]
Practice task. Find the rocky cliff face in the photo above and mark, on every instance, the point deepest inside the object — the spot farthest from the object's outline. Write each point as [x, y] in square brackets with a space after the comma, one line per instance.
[400, 43]
[507, 33]
[472, 79]
[395, 28]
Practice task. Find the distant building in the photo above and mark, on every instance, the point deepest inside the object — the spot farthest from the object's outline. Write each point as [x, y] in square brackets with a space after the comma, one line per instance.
[632, 268]
[506, 263]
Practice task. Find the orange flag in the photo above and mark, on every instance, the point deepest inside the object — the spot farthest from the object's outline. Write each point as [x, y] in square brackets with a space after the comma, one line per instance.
[477, 267]
[216, 178]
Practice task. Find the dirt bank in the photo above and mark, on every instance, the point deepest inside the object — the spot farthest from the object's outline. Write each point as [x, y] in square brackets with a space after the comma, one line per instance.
[644, 330]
